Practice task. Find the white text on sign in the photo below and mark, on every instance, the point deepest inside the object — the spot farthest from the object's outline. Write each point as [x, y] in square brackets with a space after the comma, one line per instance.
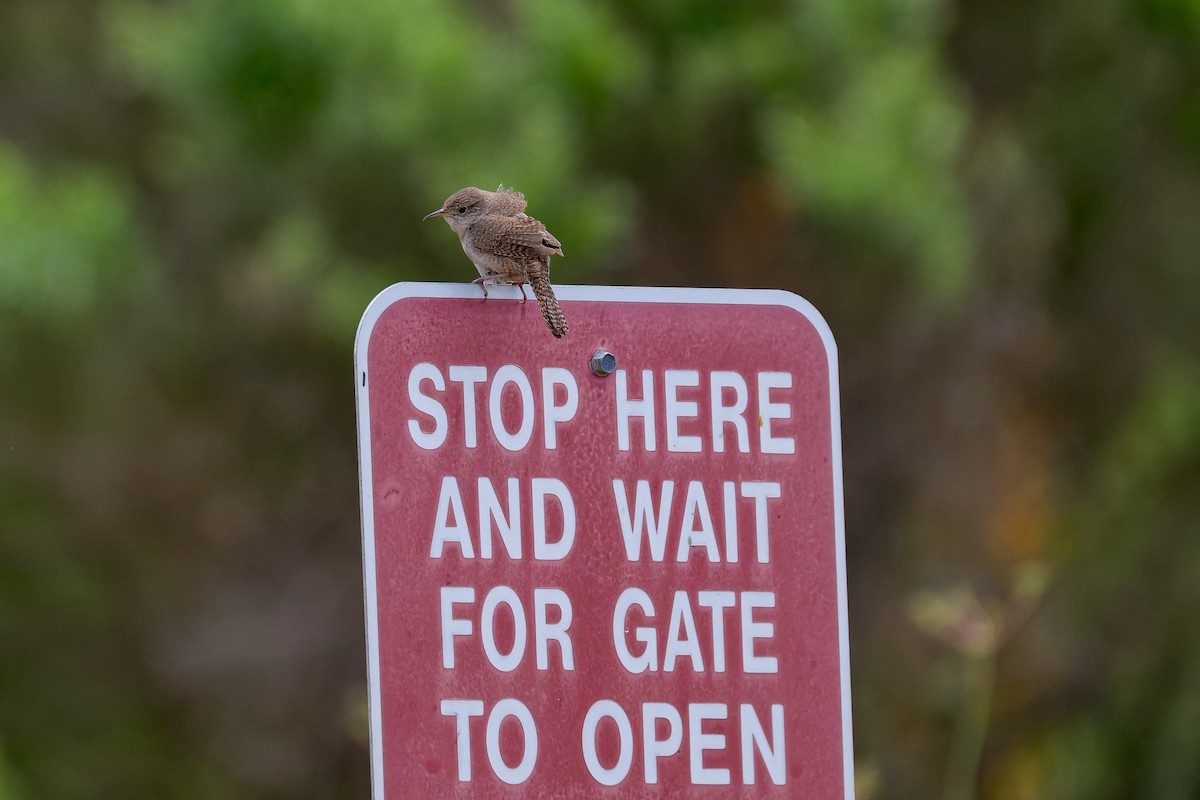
[731, 418]
[719, 630]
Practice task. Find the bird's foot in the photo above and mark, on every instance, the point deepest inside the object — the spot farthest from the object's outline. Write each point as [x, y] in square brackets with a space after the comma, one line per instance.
[482, 284]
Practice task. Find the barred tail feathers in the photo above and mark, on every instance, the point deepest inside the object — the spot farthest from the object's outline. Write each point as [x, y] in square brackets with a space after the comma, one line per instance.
[544, 292]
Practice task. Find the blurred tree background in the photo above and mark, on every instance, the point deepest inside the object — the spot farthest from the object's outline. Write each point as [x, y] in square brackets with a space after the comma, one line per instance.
[995, 204]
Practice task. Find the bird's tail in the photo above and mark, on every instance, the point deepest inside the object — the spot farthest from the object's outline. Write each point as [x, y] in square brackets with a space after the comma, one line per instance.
[544, 292]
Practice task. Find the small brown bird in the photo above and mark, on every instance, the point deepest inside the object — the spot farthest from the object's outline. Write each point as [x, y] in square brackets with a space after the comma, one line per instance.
[506, 245]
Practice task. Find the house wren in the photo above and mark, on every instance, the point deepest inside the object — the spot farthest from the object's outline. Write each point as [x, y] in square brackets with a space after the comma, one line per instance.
[505, 244]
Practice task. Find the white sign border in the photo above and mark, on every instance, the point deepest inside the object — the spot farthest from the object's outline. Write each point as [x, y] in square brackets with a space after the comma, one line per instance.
[619, 294]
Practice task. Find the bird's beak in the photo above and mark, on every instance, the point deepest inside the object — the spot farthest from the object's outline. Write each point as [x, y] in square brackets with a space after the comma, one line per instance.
[441, 212]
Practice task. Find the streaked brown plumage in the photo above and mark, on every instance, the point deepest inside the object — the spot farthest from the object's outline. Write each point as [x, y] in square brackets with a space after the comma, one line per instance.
[507, 201]
[506, 245]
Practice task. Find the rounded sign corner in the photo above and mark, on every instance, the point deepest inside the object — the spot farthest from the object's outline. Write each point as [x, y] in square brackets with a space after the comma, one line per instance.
[385, 299]
[366, 323]
[798, 303]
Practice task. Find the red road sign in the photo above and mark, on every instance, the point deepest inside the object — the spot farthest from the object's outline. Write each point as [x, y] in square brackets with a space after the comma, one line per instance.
[576, 582]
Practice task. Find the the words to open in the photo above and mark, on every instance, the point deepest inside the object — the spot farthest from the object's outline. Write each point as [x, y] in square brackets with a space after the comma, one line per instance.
[657, 520]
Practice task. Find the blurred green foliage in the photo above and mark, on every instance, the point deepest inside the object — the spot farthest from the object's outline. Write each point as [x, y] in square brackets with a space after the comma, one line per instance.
[993, 203]
[70, 240]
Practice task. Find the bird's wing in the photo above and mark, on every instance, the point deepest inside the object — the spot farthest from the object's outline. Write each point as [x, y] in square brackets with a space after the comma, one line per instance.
[518, 237]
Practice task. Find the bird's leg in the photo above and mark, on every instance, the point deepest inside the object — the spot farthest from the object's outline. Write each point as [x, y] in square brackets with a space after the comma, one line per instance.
[521, 285]
[481, 282]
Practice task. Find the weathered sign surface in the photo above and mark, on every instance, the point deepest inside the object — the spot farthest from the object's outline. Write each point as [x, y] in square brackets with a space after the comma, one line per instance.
[617, 585]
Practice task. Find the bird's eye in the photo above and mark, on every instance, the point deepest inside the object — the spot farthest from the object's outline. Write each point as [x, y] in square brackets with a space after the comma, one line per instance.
[462, 209]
